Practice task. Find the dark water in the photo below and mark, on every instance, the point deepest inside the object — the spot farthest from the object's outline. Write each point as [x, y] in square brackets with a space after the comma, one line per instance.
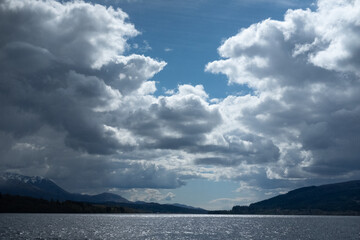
[107, 226]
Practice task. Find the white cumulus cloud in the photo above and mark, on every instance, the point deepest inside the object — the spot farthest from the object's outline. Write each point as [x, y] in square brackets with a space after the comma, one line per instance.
[304, 71]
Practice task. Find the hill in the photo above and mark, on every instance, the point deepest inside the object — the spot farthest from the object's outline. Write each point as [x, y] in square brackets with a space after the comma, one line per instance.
[339, 198]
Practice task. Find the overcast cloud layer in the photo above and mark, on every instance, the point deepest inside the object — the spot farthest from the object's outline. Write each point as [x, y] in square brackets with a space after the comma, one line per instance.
[76, 108]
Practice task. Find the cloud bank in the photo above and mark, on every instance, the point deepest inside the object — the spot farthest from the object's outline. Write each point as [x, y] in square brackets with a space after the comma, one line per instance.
[79, 108]
[305, 75]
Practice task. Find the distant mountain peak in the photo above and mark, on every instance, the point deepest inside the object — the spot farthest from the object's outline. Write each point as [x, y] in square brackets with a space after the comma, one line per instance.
[40, 187]
[18, 177]
[20, 186]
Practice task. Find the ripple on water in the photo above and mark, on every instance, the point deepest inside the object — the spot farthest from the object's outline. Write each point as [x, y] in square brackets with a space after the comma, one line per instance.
[102, 226]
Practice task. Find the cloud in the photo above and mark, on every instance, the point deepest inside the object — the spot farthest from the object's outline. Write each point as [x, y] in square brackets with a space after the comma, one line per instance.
[231, 201]
[304, 72]
[128, 73]
[49, 52]
[75, 33]
[148, 195]
[228, 203]
[79, 110]
[175, 122]
[65, 77]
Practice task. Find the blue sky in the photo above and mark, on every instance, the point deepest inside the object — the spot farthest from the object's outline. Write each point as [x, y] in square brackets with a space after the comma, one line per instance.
[192, 31]
[206, 103]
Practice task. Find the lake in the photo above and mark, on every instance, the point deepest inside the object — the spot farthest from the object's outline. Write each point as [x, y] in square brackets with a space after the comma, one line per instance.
[168, 226]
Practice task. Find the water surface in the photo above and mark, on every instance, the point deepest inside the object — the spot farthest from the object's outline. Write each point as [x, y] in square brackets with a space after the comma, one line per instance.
[146, 226]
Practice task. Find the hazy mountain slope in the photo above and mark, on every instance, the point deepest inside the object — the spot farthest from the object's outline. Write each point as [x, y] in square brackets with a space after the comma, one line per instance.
[339, 197]
[38, 187]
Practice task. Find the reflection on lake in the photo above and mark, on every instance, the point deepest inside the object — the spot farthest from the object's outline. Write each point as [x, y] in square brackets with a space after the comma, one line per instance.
[143, 226]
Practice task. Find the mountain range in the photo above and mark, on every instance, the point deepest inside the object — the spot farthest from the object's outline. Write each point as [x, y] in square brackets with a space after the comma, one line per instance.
[39, 187]
[43, 188]
[336, 199]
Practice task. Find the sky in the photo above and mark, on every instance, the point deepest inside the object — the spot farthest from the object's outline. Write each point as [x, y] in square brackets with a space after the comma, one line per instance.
[206, 103]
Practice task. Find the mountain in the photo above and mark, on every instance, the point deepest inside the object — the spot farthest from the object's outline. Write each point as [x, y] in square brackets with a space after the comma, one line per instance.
[338, 198]
[39, 187]
[21, 204]
[160, 208]
[200, 210]
[20, 193]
